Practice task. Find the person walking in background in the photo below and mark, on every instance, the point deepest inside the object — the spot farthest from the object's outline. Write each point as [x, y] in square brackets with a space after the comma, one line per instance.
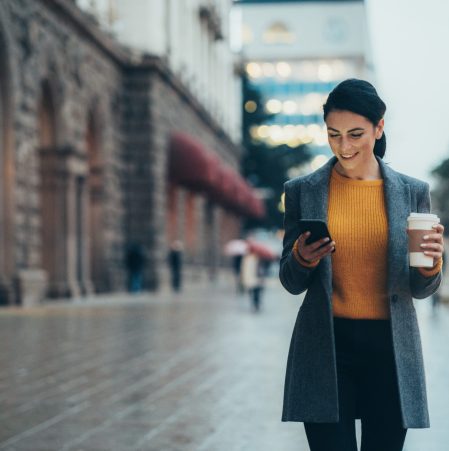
[175, 264]
[237, 269]
[236, 249]
[355, 350]
[135, 263]
[252, 278]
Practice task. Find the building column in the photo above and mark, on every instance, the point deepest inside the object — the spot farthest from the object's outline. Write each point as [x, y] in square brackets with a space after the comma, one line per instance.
[65, 223]
[95, 235]
[211, 239]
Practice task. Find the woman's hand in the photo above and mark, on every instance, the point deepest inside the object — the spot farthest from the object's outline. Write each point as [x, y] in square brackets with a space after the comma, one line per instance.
[434, 243]
[310, 252]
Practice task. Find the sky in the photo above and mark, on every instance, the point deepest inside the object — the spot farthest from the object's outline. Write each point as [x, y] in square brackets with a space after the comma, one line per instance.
[410, 42]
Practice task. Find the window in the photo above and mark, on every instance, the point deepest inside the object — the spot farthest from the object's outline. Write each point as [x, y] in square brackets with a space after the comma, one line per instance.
[278, 33]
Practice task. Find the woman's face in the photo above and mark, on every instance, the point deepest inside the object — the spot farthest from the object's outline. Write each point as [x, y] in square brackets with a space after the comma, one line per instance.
[352, 136]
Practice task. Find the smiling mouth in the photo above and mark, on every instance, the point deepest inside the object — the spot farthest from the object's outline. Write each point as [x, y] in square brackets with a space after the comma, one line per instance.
[349, 157]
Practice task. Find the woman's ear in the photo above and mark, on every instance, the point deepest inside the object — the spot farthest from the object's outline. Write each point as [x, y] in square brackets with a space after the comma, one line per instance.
[380, 128]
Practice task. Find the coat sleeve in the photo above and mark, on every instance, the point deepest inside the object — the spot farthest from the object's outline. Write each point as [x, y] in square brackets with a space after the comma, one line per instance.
[423, 286]
[294, 277]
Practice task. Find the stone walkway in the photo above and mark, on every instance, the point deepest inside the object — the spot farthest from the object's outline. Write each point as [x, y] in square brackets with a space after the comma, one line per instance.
[195, 372]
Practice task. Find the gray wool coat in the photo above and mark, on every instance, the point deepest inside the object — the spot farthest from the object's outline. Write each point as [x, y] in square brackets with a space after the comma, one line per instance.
[310, 392]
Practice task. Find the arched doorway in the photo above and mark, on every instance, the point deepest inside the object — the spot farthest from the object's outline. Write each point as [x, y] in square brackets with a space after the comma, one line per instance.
[98, 274]
[62, 203]
[52, 254]
[47, 118]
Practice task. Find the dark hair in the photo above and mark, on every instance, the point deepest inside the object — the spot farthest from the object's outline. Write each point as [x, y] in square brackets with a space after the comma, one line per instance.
[359, 97]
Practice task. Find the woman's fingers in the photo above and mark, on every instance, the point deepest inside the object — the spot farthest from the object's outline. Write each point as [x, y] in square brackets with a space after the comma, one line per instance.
[310, 251]
[436, 237]
[326, 250]
[436, 255]
[439, 228]
[321, 254]
[317, 244]
[433, 245]
[436, 247]
[302, 238]
[312, 246]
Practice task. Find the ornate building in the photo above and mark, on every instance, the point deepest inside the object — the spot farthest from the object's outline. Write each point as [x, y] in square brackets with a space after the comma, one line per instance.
[295, 52]
[92, 137]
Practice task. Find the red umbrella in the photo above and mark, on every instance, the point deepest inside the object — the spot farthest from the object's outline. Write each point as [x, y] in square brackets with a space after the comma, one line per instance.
[262, 250]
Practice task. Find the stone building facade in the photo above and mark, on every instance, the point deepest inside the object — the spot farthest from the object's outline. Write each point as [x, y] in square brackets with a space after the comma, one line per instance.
[85, 135]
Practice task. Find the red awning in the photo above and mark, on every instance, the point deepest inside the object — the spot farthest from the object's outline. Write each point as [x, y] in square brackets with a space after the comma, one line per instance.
[233, 192]
[190, 164]
[257, 207]
[242, 196]
[247, 202]
[224, 187]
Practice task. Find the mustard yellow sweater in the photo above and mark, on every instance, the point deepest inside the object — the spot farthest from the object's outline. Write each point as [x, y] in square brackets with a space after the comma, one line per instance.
[357, 221]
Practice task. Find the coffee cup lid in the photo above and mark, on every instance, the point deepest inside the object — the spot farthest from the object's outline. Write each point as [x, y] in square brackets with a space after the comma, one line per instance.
[424, 216]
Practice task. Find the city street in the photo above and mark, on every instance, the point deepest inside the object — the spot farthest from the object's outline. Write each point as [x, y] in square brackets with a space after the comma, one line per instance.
[193, 372]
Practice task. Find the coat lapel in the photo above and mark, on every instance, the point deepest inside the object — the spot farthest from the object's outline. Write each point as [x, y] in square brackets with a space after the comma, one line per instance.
[397, 199]
[314, 202]
[313, 205]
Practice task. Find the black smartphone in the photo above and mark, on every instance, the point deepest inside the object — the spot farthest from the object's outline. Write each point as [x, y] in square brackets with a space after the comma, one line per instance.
[318, 229]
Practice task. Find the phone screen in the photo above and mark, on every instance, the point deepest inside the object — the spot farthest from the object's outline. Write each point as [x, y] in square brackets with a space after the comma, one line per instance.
[318, 229]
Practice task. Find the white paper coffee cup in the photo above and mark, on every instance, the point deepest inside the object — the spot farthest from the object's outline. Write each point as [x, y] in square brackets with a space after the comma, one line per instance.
[420, 224]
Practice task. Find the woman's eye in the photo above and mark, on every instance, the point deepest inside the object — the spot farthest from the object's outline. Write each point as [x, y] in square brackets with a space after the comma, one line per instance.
[352, 136]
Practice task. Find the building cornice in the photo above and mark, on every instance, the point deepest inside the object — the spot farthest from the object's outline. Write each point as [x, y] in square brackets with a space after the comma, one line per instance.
[87, 26]
[129, 59]
[160, 66]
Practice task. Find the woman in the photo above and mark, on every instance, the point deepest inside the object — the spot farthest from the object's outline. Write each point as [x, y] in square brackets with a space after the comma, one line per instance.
[251, 277]
[355, 350]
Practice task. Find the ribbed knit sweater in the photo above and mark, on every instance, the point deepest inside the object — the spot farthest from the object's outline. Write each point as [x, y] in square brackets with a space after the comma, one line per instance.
[358, 223]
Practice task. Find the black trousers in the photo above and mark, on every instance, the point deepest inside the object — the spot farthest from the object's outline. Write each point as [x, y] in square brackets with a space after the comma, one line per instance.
[367, 389]
[256, 294]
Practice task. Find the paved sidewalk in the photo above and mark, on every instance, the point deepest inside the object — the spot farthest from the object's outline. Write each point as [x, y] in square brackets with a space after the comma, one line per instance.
[192, 372]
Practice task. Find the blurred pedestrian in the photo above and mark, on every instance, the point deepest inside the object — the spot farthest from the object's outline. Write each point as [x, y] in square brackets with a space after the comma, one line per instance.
[355, 350]
[236, 268]
[266, 266]
[135, 263]
[252, 278]
[175, 257]
[236, 249]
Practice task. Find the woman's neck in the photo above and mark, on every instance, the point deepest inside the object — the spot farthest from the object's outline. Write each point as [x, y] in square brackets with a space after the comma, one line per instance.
[371, 172]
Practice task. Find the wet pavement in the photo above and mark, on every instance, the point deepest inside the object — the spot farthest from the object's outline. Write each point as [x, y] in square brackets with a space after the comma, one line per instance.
[192, 372]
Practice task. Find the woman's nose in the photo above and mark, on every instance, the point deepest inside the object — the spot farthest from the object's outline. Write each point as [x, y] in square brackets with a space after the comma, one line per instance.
[345, 145]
